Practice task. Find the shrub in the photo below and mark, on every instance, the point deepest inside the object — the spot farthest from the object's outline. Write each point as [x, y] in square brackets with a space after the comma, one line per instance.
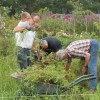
[52, 74]
[6, 35]
[50, 26]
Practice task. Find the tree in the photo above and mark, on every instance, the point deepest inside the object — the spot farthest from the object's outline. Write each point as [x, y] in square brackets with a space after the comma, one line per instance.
[56, 6]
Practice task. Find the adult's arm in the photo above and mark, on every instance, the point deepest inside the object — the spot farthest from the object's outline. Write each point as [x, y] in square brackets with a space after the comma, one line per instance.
[82, 54]
[33, 46]
[79, 53]
[67, 66]
[69, 60]
[87, 58]
[19, 28]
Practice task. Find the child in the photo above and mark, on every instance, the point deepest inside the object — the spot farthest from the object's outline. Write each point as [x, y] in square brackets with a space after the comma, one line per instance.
[22, 52]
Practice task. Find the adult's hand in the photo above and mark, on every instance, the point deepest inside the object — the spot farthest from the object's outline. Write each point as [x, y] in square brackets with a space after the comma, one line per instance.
[87, 58]
[19, 28]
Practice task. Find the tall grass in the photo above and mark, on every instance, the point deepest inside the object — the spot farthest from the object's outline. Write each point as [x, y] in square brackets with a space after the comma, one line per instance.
[55, 97]
[8, 86]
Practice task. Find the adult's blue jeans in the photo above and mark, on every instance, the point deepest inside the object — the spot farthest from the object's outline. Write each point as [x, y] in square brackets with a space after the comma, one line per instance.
[93, 63]
[23, 56]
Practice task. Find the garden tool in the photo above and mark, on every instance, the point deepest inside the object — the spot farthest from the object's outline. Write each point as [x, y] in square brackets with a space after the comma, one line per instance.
[51, 89]
[81, 79]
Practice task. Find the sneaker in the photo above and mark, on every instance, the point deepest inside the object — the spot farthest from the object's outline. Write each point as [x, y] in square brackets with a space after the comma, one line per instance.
[91, 91]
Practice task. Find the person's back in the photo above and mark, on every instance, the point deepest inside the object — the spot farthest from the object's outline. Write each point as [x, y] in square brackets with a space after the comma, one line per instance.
[79, 48]
[19, 35]
[23, 23]
[53, 44]
[29, 37]
[86, 49]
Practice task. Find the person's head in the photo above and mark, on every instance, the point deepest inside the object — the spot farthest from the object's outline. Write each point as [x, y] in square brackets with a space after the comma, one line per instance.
[61, 54]
[43, 44]
[25, 16]
[36, 19]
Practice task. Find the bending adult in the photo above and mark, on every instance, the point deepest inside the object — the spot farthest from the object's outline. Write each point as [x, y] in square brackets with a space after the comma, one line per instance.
[87, 49]
[50, 44]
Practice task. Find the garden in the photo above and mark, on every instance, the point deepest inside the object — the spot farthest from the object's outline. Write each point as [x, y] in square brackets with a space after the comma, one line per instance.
[82, 25]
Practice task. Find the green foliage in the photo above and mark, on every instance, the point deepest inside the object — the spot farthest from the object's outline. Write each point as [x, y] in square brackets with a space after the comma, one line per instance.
[8, 86]
[82, 21]
[43, 11]
[7, 46]
[54, 72]
[97, 28]
[56, 6]
[7, 24]
[97, 25]
[51, 26]
[3, 15]
[49, 74]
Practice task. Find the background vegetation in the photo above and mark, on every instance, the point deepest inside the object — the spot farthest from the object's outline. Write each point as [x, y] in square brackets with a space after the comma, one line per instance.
[56, 6]
[54, 72]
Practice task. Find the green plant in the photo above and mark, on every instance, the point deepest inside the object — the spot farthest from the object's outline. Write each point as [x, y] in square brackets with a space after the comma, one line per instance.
[50, 26]
[50, 74]
[54, 72]
[97, 28]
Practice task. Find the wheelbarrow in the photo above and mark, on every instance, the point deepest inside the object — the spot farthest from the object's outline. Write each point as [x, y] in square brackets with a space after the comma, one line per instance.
[52, 89]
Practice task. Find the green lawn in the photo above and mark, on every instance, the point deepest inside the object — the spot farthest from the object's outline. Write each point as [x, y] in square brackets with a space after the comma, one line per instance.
[8, 85]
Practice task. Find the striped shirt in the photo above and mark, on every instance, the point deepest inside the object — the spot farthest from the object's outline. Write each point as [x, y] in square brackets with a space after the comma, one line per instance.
[78, 48]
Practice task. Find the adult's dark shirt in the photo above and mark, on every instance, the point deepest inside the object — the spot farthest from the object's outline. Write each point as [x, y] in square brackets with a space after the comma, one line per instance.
[53, 44]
